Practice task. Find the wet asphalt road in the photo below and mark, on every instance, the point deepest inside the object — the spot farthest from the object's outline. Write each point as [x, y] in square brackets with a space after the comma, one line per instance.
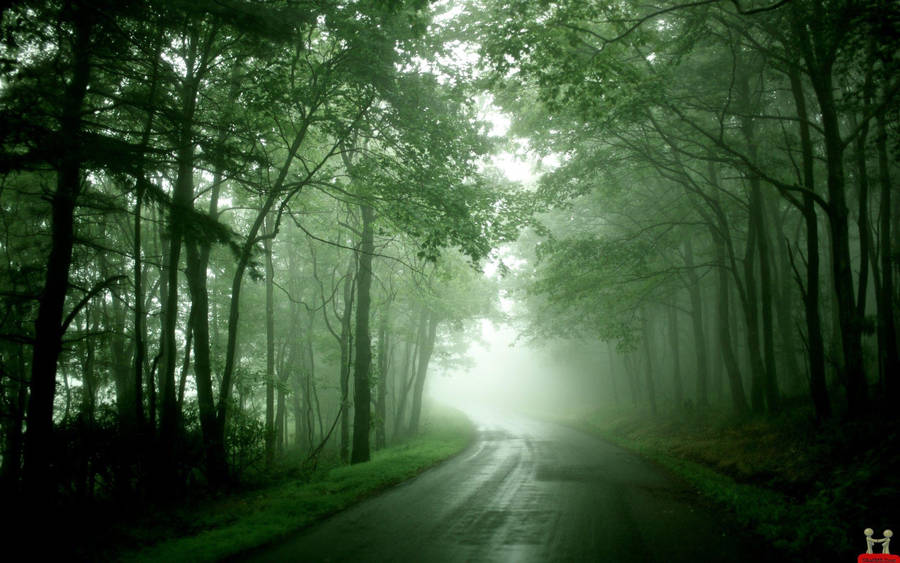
[528, 491]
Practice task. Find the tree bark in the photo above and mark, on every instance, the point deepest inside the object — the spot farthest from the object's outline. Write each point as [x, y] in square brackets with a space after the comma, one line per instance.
[408, 376]
[345, 347]
[819, 58]
[887, 331]
[270, 349]
[697, 324]
[651, 389]
[243, 261]
[362, 394]
[38, 473]
[425, 352]
[381, 398]
[197, 265]
[612, 373]
[735, 384]
[677, 385]
[815, 343]
[182, 202]
[758, 229]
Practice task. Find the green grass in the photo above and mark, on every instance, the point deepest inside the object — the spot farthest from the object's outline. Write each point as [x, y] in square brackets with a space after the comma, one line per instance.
[240, 523]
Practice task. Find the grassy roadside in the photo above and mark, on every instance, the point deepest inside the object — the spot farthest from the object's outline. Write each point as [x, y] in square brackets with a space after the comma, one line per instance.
[807, 490]
[242, 522]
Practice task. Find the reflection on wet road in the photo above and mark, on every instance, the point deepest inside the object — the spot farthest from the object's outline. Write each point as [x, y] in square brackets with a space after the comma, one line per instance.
[527, 491]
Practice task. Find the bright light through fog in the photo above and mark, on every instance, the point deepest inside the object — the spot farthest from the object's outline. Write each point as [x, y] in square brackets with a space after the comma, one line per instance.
[496, 358]
[505, 375]
[515, 168]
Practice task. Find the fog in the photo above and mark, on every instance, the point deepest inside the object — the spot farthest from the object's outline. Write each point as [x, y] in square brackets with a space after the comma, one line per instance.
[509, 373]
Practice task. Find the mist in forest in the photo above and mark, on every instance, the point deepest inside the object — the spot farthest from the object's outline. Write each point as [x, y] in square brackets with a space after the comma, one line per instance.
[259, 245]
[507, 373]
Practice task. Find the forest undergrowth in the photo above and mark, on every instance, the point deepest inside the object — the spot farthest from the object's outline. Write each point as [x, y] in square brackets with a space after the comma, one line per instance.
[805, 487]
[265, 510]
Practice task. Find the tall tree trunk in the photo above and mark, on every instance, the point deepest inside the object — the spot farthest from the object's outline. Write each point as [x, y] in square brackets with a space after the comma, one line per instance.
[863, 226]
[182, 202]
[633, 381]
[381, 399]
[362, 394]
[425, 352]
[757, 212]
[140, 335]
[307, 382]
[814, 342]
[141, 183]
[197, 261]
[12, 429]
[782, 284]
[887, 331]
[86, 412]
[345, 347]
[283, 362]
[121, 364]
[186, 363]
[714, 345]
[213, 441]
[311, 356]
[407, 377]
[38, 471]
[759, 230]
[820, 65]
[161, 241]
[243, 261]
[735, 384]
[697, 323]
[851, 327]
[751, 314]
[677, 385]
[270, 348]
[612, 373]
[651, 389]
[299, 429]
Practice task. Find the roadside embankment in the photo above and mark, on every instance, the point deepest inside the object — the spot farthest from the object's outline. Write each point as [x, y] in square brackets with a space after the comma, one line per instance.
[807, 489]
[238, 523]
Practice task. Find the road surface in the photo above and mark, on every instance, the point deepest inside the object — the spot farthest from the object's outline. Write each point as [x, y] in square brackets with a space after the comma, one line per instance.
[528, 491]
